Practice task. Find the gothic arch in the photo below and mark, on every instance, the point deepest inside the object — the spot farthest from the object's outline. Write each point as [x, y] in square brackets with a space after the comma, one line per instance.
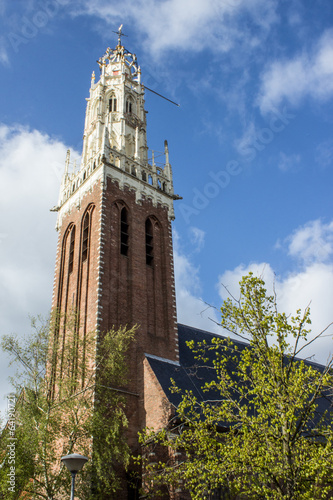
[120, 204]
[124, 226]
[155, 221]
[112, 102]
[149, 235]
[86, 232]
[64, 255]
[124, 231]
[82, 300]
[71, 250]
[120, 257]
[156, 277]
[152, 225]
[130, 105]
[65, 271]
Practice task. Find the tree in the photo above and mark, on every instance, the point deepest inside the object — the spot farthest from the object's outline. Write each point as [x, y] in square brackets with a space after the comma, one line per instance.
[84, 413]
[265, 429]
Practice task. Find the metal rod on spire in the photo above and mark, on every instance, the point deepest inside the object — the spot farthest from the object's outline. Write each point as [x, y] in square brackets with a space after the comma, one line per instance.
[119, 33]
[160, 95]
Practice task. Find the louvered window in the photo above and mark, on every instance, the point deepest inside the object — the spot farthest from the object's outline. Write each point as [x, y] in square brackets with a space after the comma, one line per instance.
[124, 236]
[149, 243]
[71, 251]
[112, 104]
[85, 237]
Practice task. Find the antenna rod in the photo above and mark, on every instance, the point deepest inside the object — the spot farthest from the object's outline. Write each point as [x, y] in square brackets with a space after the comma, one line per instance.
[160, 95]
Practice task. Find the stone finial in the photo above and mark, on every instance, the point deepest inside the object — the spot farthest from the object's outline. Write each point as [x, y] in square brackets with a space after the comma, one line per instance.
[68, 157]
[166, 151]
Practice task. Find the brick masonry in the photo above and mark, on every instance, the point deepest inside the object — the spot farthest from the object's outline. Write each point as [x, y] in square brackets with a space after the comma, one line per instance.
[105, 284]
[109, 289]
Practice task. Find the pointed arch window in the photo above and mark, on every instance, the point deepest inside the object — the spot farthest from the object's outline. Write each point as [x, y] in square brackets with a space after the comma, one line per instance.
[85, 237]
[149, 243]
[112, 104]
[129, 106]
[71, 251]
[124, 234]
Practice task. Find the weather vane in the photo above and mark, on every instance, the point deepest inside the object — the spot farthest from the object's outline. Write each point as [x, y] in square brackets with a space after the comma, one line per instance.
[119, 33]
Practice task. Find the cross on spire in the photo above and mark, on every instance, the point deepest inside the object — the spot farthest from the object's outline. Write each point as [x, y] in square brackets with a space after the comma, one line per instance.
[119, 33]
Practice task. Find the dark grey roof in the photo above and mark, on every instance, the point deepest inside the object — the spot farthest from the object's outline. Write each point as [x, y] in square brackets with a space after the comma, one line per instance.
[190, 374]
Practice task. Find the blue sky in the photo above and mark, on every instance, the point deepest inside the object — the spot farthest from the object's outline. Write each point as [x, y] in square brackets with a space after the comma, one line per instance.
[251, 144]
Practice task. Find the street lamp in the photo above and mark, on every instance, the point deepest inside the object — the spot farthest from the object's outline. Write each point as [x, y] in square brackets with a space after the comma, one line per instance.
[74, 463]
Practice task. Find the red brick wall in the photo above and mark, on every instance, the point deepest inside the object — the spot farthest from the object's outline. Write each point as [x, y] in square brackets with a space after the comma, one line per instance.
[157, 408]
[112, 290]
[131, 292]
[75, 293]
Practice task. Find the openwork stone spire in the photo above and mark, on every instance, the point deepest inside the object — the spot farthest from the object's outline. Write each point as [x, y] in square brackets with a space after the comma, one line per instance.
[115, 138]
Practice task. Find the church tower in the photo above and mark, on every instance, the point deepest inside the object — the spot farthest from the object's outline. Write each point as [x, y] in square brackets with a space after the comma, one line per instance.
[114, 263]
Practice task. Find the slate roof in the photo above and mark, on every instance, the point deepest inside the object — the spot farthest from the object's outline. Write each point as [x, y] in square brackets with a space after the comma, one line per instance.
[189, 374]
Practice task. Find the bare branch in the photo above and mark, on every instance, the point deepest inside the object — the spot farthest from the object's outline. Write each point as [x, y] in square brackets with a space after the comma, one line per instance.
[314, 339]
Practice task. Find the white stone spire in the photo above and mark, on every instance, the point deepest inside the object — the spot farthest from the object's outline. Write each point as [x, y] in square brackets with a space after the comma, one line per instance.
[116, 103]
[115, 138]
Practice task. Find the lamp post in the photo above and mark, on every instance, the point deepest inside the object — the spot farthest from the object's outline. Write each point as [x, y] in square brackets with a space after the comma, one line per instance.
[74, 463]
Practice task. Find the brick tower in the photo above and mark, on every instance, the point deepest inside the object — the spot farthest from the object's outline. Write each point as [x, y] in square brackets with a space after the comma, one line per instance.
[114, 263]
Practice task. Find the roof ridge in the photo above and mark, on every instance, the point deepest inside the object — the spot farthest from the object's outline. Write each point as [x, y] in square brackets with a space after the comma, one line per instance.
[165, 360]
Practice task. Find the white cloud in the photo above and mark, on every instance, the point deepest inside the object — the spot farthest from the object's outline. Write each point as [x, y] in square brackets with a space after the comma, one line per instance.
[324, 154]
[248, 138]
[307, 74]
[197, 238]
[313, 242]
[3, 52]
[228, 284]
[29, 185]
[289, 163]
[312, 284]
[188, 24]
[191, 309]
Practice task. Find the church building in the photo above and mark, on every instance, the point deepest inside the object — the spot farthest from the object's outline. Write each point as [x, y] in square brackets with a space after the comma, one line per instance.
[114, 263]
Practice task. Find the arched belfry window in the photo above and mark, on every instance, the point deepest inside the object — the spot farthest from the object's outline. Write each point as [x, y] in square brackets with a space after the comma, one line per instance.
[112, 104]
[149, 243]
[129, 105]
[85, 237]
[71, 251]
[124, 234]
[85, 232]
